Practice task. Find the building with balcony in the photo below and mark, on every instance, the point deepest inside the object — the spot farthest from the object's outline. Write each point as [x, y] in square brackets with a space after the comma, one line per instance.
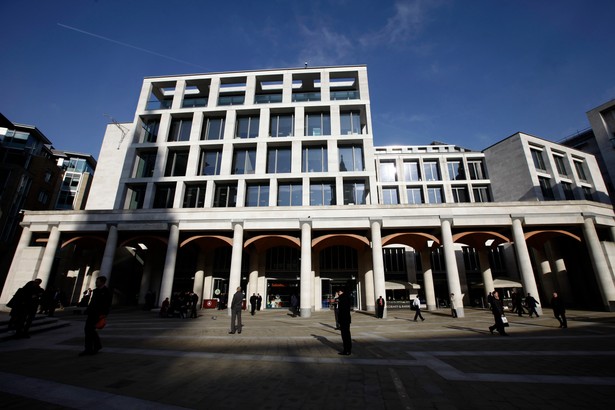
[269, 180]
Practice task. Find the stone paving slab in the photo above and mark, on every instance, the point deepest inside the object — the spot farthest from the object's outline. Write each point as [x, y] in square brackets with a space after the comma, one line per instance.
[281, 362]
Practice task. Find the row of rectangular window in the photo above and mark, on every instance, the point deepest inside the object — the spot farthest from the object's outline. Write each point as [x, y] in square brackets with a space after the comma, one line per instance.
[560, 164]
[314, 158]
[431, 171]
[322, 193]
[247, 126]
[434, 195]
[548, 193]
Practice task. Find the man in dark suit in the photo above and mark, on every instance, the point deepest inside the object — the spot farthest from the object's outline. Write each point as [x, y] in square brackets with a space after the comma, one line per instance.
[380, 303]
[253, 303]
[343, 306]
[236, 307]
[99, 306]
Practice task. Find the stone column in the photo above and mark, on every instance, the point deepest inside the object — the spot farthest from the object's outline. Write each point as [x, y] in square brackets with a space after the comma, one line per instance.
[253, 277]
[558, 265]
[547, 276]
[604, 276]
[485, 267]
[370, 297]
[305, 302]
[199, 277]
[44, 270]
[452, 274]
[168, 273]
[146, 278]
[11, 283]
[237, 253]
[378, 263]
[106, 266]
[430, 291]
[525, 265]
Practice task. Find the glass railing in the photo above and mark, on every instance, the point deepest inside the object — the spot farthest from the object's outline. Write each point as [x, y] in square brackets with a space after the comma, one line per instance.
[267, 98]
[344, 95]
[300, 97]
[231, 99]
[194, 102]
[158, 105]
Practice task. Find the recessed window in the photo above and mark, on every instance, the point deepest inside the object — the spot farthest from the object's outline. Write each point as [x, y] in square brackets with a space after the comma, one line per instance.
[546, 189]
[146, 160]
[213, 128]
[434, 195]
[354, 193]
[431, 171]
[481, 194]
[568, 191]
[460, 194]
[257, 195]
[290, 194]
[135, 196]
[278, 160]
[476, 170]
[247, 126]
[560, 164]
[210, 161]
[322, 193]
[164, 195]
[415, 195]
[580, 168]
[314, 158]
[317, 124]
[539, 162]
[149, 130]
[390, 196]
[351, 158]
[194, 195]
[411, 171]
[350, 123]
[244, 160]
[177, 162]
[387, 171]
[282, 125]
[225, 195]
[455, 170]
[180, 129]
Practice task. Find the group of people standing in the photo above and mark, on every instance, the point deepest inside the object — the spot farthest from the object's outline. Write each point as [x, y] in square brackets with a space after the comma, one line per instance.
[256, 300]
[182, 305]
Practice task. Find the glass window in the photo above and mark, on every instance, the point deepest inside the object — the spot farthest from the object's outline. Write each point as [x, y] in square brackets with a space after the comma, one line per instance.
[180, 129]
[213, 128]
[455, 170]
[194, 196]
[267, 98]
[388, 172]
[282, 125]
[411, 171]
[351, 158]
[481, 194]
[539, 162]
[430, 171]
[476, 169]
[587, 193]
[322, 193]
[225, 196]
[545, 187]
[568, 192]
[389, 196]
[257, 195]
[578, 166]
[560, 164]
[135, 195]
[434, 195]
[415, 195]
[210, 161]
[354, 193]
[317, 123]
[314, 159]
[177, 163]
[231, 99]
[350, 123]
[460, 194]
[244, 160]
[247, 126]
[150, 130]
[290, 194]
[278, 160]
[163, 198]
[144, 168]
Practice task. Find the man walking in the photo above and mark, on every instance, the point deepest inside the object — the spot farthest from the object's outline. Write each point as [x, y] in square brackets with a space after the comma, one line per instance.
[498, 311]
[531, 303]
[96, 310]
[236, 306]
[559, 310]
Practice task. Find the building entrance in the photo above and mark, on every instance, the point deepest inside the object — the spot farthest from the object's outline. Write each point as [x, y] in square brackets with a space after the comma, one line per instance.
[279, 292]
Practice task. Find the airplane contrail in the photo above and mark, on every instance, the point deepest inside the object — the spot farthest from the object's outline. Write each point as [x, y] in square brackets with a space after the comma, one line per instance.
[129, 45]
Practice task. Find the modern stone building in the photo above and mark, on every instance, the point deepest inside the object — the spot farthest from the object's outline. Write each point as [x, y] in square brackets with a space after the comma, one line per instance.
[269, 180]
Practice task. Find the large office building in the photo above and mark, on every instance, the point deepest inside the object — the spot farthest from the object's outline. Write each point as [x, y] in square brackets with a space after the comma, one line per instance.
[269, 180]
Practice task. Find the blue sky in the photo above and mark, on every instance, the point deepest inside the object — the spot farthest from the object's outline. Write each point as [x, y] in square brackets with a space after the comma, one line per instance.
[468, 72]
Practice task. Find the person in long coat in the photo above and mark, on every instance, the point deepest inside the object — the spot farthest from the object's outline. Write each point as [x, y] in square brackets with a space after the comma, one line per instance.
[343, 308]
[99, 306]
[380, 304]
[236, 307]
[559, 310]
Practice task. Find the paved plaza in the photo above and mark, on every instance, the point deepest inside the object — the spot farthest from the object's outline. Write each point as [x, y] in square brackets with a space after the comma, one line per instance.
[281, 362]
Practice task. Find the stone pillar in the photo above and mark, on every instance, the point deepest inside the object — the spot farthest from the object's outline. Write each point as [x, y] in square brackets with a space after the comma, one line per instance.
[106, 266]
[378, 263]
[305, 301]
[452, 274]
[199, 277]
[547, 276]
[558, 265]
[370, 297]
[604, 276]
[525, 265]
[485, 267]
[252, 287]
[146, 278]
[168, 273]
[44, 270]
[237, 253]
[11, 283]
[430, 291]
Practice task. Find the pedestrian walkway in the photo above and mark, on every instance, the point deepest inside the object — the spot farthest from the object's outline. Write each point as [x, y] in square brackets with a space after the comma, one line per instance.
[281, 362]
